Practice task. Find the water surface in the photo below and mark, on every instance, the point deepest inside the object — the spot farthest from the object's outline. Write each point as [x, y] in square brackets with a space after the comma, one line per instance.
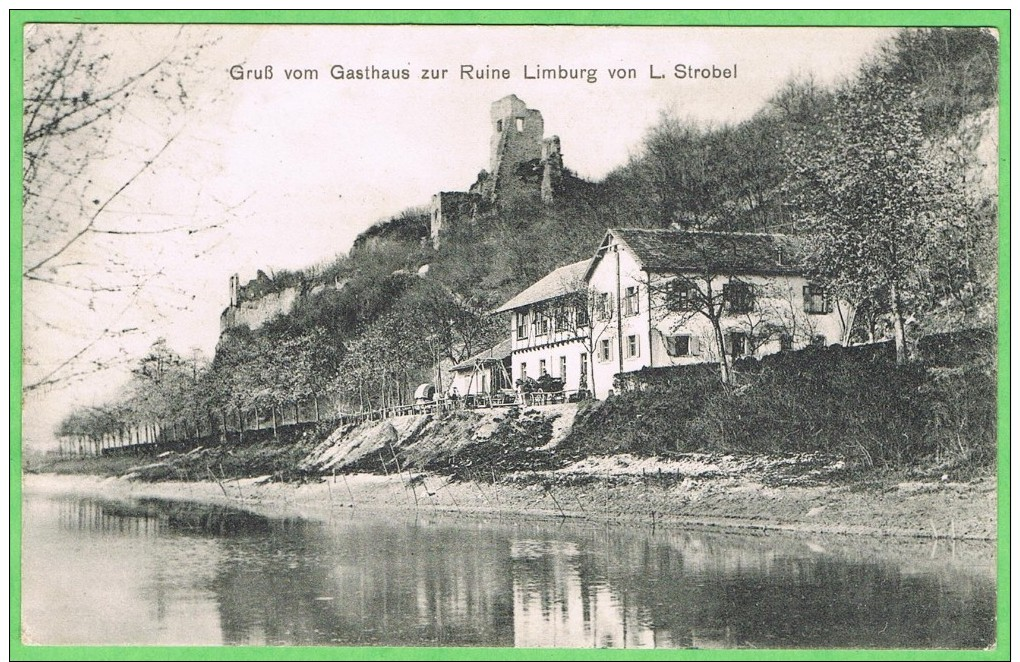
[154, 572]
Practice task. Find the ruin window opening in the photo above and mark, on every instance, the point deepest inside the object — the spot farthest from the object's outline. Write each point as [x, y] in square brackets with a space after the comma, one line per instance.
[520, 125]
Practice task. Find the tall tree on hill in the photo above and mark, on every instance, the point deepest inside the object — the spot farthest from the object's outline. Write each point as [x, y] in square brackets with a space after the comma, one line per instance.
[876, 197]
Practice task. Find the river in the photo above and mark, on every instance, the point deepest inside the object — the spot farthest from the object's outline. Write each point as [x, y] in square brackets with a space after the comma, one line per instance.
[171, 573]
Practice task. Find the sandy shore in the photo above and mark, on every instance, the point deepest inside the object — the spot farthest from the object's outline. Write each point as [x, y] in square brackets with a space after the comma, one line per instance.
[926, 510]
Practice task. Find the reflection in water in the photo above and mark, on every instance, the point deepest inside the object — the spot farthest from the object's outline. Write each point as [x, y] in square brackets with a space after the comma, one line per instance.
[172, 573]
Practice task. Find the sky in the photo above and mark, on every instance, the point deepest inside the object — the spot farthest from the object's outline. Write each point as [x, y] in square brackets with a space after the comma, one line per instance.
[283, 174]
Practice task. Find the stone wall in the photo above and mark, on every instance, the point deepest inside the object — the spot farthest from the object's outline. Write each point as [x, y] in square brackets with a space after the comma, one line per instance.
[451, 207]
[254, 312]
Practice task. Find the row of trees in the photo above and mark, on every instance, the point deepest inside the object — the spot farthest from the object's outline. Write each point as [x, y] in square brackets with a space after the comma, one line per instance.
[295, 361]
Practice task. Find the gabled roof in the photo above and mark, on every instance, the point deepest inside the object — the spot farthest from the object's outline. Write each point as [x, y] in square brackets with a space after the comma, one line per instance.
[560, 282]
[495, 353]
[698, 251]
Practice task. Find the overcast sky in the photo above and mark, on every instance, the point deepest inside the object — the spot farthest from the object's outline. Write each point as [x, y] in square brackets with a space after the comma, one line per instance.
[295, 169]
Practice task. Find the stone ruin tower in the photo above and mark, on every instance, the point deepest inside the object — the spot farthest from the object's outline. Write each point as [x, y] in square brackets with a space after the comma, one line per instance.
[521, 160]
[522, 163]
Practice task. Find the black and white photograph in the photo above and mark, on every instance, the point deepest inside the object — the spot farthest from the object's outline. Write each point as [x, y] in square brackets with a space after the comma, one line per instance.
[509, 336]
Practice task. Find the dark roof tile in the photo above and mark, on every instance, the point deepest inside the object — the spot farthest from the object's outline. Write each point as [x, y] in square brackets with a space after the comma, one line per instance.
[560, 282]
[679, 251]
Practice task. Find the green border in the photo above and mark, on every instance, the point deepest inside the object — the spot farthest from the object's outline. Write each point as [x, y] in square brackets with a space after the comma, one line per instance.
[998, 19]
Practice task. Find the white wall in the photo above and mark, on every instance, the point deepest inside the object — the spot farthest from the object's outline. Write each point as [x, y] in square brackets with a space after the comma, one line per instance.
[778, 309]
[471, 382]
[619, 325]
[779, 302]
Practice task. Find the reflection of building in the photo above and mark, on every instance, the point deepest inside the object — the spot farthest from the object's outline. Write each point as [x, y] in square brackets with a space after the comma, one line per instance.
[555, 606]
[367, 583]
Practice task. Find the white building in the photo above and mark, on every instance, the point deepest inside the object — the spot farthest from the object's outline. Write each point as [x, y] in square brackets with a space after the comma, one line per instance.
[549, 329]
[654, 298]
[658, 290]
[484, 374]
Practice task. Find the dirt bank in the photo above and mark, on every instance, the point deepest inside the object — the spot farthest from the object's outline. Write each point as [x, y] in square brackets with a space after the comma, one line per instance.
[522, 463]
[603, 489]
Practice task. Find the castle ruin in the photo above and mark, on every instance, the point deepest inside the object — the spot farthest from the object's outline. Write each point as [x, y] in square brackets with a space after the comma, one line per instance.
[522, 163]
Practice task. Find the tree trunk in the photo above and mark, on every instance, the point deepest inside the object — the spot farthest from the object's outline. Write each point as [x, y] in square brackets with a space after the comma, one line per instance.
[724, 357]
[899, 332]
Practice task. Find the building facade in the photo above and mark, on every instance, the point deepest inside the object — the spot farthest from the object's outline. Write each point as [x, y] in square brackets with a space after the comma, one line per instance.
[484, 374]
[549, 329]
[655, 298]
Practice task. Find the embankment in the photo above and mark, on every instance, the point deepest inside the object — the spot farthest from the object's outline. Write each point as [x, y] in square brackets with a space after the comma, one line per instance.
[519, 463]
[838, 440]
[882, 508]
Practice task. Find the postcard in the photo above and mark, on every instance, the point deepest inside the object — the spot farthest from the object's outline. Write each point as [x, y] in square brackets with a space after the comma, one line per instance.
[492, 338]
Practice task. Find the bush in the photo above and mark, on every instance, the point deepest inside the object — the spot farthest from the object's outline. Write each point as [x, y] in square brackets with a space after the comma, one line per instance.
[852, 402]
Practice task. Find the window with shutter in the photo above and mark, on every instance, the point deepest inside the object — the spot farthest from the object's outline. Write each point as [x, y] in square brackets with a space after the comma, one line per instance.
[581, 315]
[633, 346]
[815, 300]
[736, 343]
[604, 306]
[739, 297]
[631, 303]
[678, 345]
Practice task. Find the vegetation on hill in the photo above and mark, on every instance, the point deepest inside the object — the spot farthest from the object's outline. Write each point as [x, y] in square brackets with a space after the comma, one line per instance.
[913, 126]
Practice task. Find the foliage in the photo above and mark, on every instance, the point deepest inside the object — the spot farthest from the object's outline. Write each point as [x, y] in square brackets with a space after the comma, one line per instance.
[849, 402]
[878, 201]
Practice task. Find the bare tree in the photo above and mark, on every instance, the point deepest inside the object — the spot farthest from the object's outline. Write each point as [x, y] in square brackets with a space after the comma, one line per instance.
[98, 120]
[590, 313]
